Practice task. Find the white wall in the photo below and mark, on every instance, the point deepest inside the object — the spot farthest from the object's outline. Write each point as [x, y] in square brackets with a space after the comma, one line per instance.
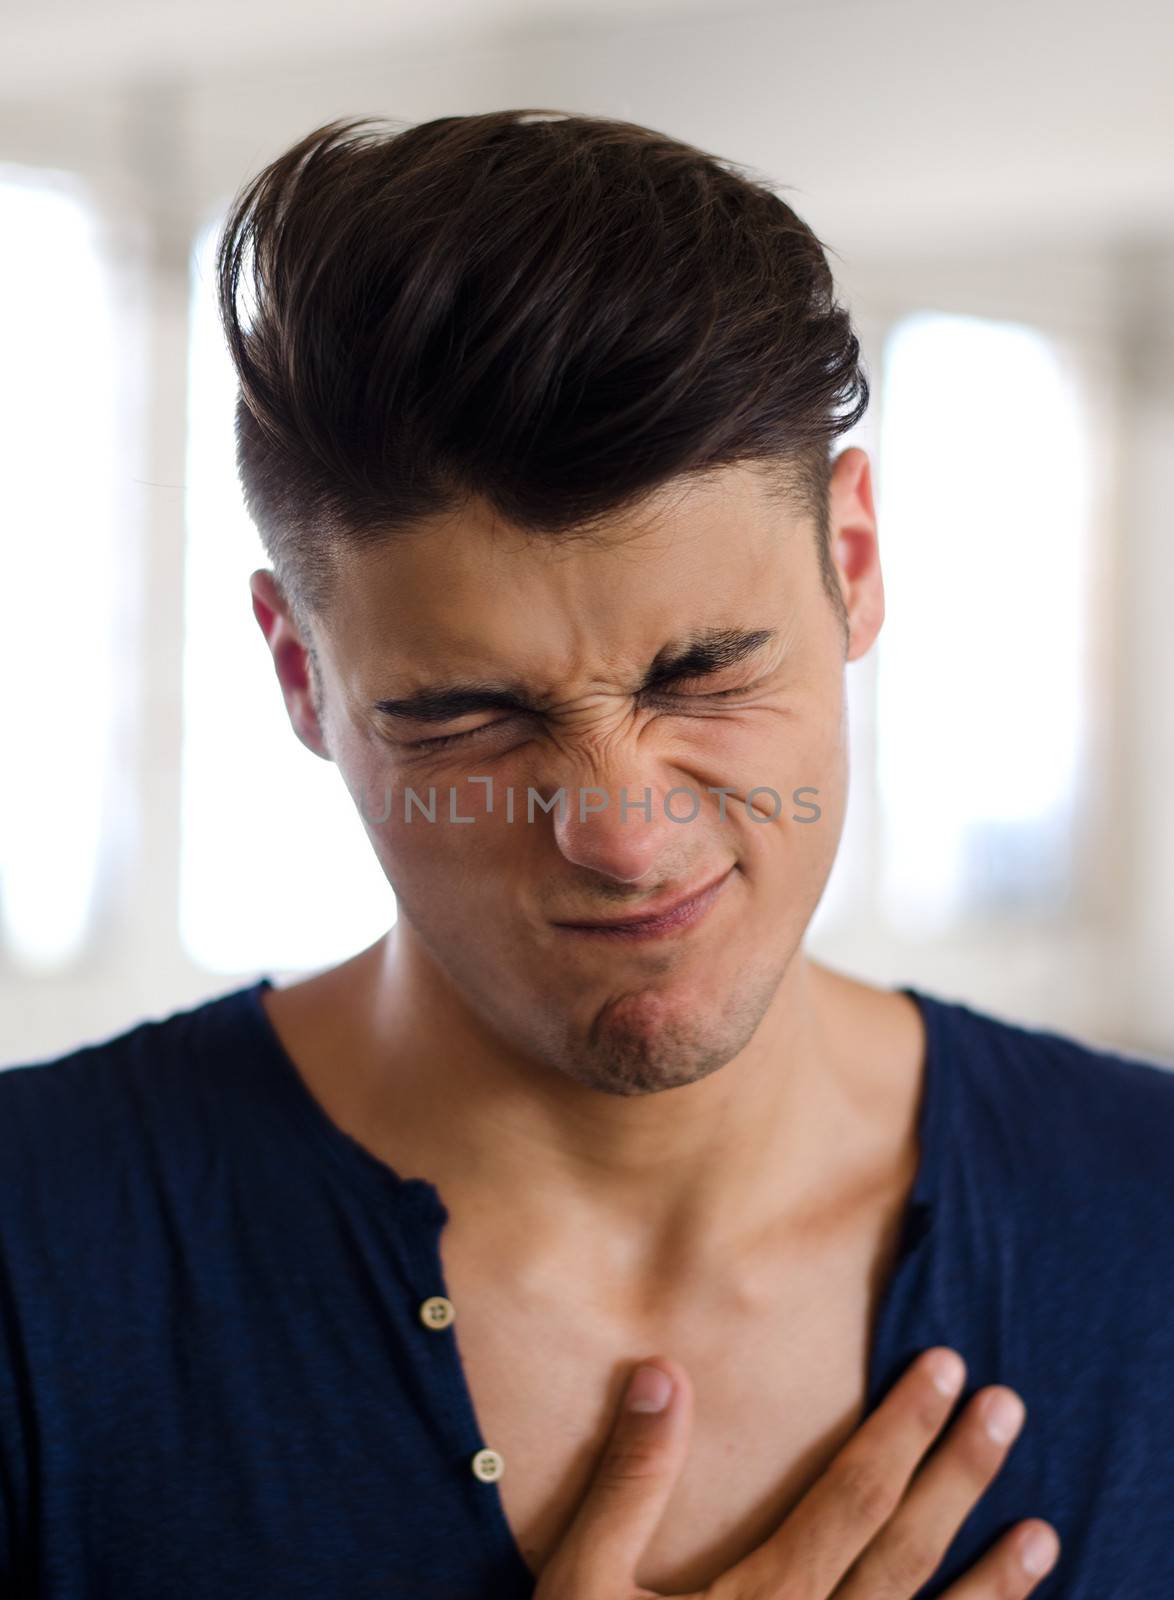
[1013, 160]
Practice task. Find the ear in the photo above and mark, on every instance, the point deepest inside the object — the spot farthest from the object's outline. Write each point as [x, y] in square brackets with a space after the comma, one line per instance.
[291, 659]
[855, 551]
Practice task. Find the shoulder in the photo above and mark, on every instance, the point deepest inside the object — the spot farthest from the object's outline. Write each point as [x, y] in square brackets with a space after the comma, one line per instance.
[1058, 1115]
[72, 1115]
[154, 1042]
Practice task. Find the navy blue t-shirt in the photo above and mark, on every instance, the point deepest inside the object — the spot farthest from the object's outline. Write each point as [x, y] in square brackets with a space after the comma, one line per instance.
[216, 1383]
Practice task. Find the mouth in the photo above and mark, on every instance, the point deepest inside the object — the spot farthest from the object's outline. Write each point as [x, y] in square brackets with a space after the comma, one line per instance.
[667, 918]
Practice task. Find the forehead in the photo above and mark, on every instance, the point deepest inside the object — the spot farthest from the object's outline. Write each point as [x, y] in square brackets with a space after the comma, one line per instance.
[471, 594]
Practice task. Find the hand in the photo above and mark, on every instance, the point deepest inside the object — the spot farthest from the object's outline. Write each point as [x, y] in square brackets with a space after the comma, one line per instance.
[866, 1528]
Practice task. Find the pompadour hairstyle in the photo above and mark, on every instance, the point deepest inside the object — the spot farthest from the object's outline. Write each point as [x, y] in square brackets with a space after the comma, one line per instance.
[557, 313]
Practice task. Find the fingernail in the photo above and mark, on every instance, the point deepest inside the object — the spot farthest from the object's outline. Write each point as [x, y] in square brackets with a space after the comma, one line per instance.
[947, 1370]
[649, 1390]
[1038, 1551]
[1003, 1414]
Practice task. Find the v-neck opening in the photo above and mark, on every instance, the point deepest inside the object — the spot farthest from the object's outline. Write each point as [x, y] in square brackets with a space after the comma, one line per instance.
[423, 1265]
[381, 1181]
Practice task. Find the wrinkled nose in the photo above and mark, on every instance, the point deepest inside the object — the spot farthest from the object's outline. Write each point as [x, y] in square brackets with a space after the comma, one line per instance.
[623, 831]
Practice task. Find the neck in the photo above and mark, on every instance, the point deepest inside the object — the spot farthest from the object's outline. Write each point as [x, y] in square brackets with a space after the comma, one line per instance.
[810, 1117]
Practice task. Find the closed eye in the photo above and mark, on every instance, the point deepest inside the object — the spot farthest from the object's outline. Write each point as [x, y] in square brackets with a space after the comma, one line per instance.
[701, 694]
[711, 694]
[441, 740]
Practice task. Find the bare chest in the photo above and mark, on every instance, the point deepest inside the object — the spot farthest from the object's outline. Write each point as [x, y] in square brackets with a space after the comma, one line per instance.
[779, 1374]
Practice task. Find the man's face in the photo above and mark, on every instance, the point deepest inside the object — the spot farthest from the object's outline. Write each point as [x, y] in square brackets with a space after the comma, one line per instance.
[582, 634]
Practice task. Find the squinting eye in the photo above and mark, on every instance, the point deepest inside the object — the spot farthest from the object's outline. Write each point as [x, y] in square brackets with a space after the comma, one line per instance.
[438, 741]
[704, 694]
[441, 740]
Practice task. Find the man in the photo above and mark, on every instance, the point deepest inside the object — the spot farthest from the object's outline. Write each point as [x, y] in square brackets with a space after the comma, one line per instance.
[333, 1288]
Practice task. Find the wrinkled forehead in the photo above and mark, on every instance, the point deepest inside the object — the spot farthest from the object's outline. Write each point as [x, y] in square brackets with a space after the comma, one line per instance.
[470, 595]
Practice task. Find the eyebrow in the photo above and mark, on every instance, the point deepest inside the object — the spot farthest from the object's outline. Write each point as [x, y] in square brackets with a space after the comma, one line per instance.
[701, 653]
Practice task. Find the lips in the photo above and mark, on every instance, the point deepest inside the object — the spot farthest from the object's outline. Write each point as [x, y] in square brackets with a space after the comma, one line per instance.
[654, 910]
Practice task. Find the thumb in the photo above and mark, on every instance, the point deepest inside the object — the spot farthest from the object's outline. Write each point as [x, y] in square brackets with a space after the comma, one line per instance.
[626, 1497]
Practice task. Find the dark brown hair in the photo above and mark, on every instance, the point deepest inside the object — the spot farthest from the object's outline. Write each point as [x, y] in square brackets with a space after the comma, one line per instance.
[557, 313]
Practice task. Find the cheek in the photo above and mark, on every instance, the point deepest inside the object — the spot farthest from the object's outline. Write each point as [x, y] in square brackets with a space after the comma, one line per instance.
[783, 750]
[791, 794]
[431, 840]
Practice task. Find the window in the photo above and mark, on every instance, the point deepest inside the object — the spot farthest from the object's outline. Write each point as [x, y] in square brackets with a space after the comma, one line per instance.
[61, 606]
[984, 503]
[276, 870]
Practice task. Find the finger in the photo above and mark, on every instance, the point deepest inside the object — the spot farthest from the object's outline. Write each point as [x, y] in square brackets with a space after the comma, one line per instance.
[910, 1547]
[861, 1488]
[596, 1558]
[1013, 1567]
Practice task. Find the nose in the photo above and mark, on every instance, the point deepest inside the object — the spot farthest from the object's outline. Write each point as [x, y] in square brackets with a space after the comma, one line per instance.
[623, 831]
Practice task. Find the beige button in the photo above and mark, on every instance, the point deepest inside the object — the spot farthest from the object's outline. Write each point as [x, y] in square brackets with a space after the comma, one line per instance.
[488, 1466]
[437, 1312]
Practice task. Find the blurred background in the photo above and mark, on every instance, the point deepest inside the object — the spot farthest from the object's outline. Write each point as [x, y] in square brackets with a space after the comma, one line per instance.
[996, 188]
